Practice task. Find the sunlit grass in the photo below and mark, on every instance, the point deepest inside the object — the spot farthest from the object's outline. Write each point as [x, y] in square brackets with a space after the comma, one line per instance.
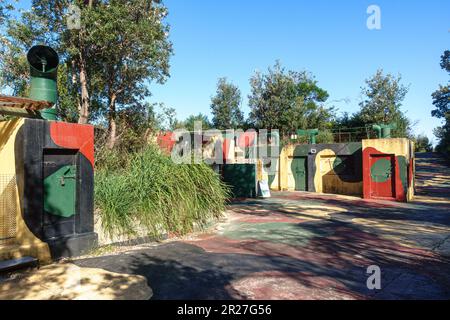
[146, 190]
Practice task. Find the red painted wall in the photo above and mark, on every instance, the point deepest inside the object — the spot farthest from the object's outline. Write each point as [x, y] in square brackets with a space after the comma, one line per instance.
[74, 136]
[400, 192]
[165, 142]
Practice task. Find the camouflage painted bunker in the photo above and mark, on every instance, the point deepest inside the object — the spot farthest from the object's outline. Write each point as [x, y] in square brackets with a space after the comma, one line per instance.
[372, 169]
[46, 175]
[380, 168]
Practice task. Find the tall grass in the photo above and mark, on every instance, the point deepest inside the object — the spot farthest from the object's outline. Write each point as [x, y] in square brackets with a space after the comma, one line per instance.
[146, 190]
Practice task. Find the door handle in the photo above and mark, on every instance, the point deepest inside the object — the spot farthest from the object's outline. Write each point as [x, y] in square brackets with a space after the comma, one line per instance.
[63, 181]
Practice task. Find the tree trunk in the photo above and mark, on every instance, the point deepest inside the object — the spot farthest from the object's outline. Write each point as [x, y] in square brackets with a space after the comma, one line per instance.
[84, 108]
[112, 122]
[75, 84]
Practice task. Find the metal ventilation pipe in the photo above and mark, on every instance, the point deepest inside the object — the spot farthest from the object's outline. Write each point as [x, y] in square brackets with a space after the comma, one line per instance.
[43, 62]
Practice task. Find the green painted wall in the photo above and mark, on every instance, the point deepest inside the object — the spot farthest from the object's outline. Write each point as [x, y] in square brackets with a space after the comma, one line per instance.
[241, 178]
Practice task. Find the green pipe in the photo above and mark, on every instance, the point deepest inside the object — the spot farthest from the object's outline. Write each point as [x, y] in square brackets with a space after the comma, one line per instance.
[384, 130]
[43, 62]
[311, 133]
[377, 129]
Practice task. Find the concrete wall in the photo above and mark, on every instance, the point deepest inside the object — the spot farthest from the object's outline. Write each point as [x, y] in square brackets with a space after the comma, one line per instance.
[388, 169]
[336, 168]
[346, 168]
[19, 241]
[330, 168]
[50, 165]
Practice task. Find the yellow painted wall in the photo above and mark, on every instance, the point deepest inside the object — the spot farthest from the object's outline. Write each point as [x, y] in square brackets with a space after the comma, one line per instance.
[285, 167]
[25, 243]
[290, 176]
[262, 173]
[327, 181]
[396, 146]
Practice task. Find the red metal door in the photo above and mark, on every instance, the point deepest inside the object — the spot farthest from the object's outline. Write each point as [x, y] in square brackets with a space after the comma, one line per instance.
[382, 176]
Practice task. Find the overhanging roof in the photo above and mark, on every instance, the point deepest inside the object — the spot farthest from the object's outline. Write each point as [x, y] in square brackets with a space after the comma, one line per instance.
[23, 103]
[24, 107]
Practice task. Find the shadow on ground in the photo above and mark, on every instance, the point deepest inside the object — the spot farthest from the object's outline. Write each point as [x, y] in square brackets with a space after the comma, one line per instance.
[308, 246]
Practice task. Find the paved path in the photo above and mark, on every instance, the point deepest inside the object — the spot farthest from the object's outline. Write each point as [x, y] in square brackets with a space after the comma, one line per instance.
[299, 245]
[65, 281]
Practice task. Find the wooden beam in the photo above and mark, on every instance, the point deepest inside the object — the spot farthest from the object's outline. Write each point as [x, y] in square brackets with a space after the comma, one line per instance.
[23, 103]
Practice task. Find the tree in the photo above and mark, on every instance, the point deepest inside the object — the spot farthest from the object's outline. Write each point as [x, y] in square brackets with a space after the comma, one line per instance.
[288, 100]
[441, 97]
[189, 123]
[225, 106]
[67, 95]
[441, 101]
[3, 11]
[16, 38]
[119, 49]
[46, 23]
[423, 144]
[383, 96]
[167, 118]
[135, 51]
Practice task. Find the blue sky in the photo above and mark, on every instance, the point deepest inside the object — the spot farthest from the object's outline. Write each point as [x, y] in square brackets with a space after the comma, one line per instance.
[234, 38]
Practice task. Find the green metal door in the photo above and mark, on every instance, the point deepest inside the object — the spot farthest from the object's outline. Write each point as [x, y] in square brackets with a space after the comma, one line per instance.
[382, 174]
[241, 178]
[299, 171]
[60, 192]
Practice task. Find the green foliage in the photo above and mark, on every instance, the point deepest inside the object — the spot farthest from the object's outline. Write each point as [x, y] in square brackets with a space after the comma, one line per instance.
[106, 65]
[17, 36]
[383, 96]
[382, 101]
[135, 128]
[189, 123]
[443, 134]
[67, 96]
[4, 16]
[225, 106]
[131, 50]
[325, 136]
[351, 128]
[148, 189]
[422, 144]
[288, 100]
[3, 11]
[441, 101]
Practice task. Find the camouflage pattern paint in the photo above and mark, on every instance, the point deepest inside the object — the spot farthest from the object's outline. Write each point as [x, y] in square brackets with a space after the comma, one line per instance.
[57, 161]
[331, 168]
[397, 185]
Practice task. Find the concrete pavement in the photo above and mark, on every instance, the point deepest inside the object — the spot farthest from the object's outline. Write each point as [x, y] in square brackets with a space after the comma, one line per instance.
[299, 245]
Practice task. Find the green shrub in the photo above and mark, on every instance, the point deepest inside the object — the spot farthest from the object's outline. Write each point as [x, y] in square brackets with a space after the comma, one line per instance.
[152, 192]
[325, 136]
